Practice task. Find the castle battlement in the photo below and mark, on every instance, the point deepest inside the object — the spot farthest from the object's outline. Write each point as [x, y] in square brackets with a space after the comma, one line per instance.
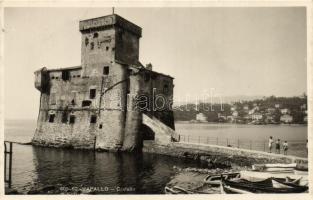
[107, 22]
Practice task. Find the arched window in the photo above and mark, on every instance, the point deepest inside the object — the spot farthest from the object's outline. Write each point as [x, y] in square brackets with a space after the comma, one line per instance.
[51, 118]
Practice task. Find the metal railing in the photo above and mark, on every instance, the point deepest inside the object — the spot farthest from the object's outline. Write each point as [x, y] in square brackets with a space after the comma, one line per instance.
[295, 147]
[8, 151]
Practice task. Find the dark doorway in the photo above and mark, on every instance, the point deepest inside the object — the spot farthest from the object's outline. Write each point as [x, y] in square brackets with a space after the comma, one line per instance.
[51, 118]
[147, 133]
[64, 117]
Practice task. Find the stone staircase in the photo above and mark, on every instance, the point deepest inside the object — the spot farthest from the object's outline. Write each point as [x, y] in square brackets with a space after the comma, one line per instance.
[164, 135]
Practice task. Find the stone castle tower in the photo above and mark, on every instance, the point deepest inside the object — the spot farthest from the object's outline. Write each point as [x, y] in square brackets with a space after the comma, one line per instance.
[95, 105]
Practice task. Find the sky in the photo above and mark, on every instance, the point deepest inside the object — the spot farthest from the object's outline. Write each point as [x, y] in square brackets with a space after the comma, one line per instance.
[231, 51]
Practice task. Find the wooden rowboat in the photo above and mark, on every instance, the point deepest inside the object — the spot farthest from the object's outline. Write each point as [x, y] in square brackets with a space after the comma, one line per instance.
[265, 186]
[257, 176]
[176, 190]
[225, 189]
[286, 184]
[215, 180]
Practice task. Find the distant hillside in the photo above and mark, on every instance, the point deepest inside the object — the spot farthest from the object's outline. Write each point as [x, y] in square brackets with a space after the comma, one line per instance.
[225, 99]
[295, 105]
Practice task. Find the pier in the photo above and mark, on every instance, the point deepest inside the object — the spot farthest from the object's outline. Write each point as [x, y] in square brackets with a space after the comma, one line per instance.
[205, 152]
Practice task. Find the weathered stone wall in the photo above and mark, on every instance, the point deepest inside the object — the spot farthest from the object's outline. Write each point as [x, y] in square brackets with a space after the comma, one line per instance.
[127, 46]
[157, 102]
[68, 97]
[158, 89]
[97, 51]
[133, 116]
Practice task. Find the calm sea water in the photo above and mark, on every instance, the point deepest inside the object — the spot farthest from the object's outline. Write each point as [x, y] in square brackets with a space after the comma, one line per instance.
[243, 131]
[39, 167]
[145, 173]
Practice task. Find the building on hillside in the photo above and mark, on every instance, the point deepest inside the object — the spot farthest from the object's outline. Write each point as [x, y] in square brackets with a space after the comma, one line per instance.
[303, 107]
[221, 116]
[235, 113]
[251, 111]
[99, 104]
[201, 117]
[256, 116]
[230, 118]
[284, 111]
[305, 119]
[256, 108]
[286, 118]
[271, 110]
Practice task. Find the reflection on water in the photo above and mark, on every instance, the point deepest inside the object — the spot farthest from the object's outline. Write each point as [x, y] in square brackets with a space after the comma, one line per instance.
[41, 167]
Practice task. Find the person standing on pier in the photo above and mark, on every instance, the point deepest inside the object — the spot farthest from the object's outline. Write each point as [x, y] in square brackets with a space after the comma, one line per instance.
[285, 147]
[270, 144]
[278, 146]
[307, 147]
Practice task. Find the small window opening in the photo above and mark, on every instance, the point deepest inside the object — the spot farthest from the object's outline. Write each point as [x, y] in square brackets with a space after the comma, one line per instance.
[92, 93]
[51, 118]
[92, 45]
[57, 78]
[106, 70]
[93, 119]
[86, 103]
[64, 117]
[52, 77]
[65, 75]
[147, 77]
[100, 126]
[165, 89]
[78, 76]
[73, 102]
[72, 119]
[86, 41]
[95, 35]
[107, 48]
